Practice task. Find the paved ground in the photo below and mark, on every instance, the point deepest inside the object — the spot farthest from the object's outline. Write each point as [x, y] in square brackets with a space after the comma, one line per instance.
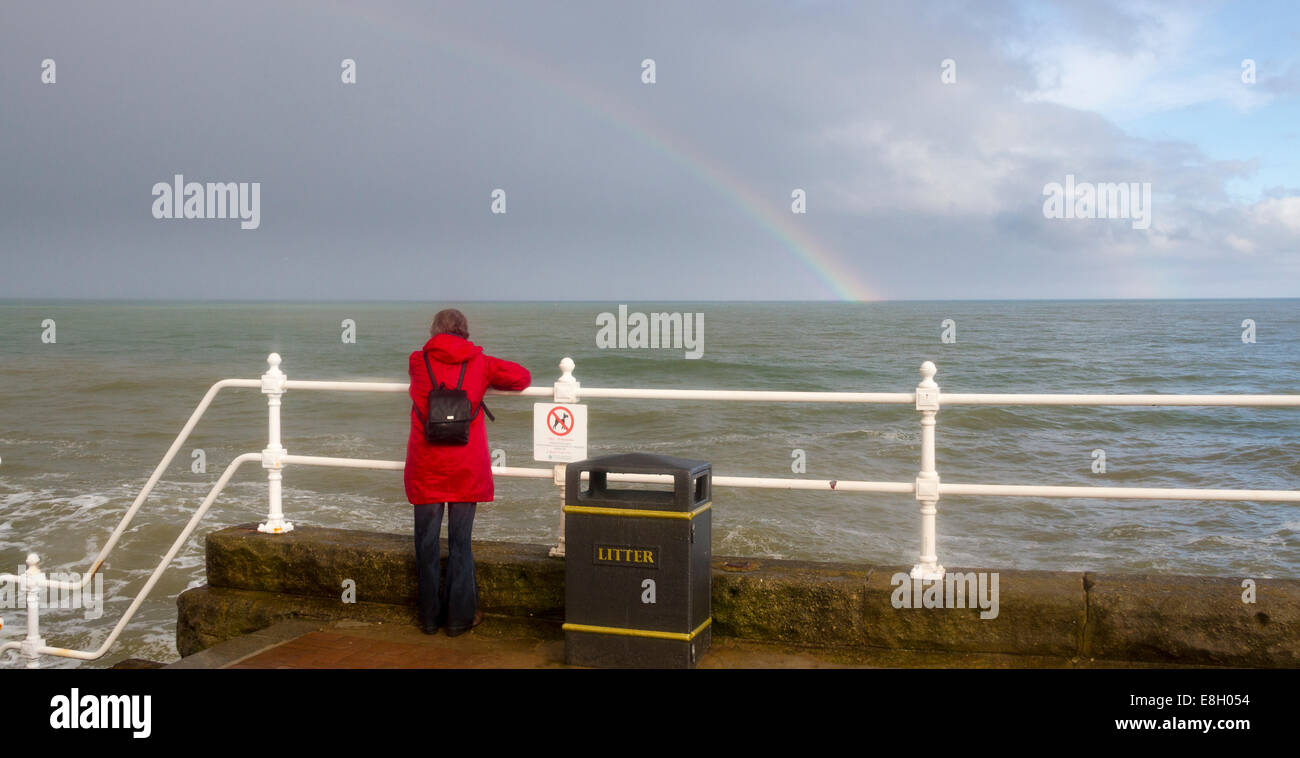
[349, 645]
[355, 645]
[389, 648]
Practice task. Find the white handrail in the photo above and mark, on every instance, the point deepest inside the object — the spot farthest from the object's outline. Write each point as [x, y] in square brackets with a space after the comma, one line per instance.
[149, 485]
[927, 487]
[1275, 401]
[88, 655]
[752, 396]
[1120, 493]
[545, 473]
[34, 645]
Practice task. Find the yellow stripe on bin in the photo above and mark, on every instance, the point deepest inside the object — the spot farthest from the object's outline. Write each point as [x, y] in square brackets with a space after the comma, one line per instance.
[678, 636]
[637, 512]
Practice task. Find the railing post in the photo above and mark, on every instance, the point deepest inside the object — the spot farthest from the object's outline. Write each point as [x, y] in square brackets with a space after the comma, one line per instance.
[927, 480]
[273, 386]
[33, 581]
[566, 391]
[558, 550]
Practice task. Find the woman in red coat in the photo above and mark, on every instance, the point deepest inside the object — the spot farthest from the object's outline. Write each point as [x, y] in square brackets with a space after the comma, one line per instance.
[455, 476]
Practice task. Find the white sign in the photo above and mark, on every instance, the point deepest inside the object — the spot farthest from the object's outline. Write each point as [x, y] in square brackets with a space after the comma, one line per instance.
[559, 432]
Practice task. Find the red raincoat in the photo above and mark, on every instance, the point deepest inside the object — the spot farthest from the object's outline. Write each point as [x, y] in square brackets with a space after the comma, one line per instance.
[454, 473]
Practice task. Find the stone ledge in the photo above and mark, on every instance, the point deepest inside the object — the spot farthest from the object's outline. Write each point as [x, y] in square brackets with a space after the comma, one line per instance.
[515, 579]
[257, 579]
[1196, 619]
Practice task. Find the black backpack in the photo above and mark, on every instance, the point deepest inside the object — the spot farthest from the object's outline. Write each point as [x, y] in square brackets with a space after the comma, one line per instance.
[450, 412]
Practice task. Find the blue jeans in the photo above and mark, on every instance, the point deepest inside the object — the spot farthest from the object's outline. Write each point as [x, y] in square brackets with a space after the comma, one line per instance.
[450, 604]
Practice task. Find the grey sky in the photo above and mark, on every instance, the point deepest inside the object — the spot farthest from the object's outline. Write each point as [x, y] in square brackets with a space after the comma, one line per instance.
[619, 190]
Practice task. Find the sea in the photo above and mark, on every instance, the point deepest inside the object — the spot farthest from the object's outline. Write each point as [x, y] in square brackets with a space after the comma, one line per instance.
[93, 393]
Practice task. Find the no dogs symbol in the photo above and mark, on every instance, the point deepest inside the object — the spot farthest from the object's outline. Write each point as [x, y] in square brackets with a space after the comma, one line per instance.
[559, 421]
[559, 432]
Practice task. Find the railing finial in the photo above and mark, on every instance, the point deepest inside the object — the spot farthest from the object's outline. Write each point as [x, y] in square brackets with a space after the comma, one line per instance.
[928, 370]
[566, 387]
[273, 379]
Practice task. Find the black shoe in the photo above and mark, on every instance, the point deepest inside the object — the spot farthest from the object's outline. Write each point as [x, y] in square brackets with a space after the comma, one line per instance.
[430, 629]
[478, 619]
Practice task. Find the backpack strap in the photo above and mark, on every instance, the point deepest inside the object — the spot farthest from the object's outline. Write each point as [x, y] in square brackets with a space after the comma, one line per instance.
[435, 384]
[482, 406]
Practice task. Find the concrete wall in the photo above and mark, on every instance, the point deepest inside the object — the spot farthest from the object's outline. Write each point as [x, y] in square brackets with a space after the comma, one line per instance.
[256, 579]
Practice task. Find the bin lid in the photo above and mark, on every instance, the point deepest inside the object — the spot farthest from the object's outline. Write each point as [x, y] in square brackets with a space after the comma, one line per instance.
[642, 463]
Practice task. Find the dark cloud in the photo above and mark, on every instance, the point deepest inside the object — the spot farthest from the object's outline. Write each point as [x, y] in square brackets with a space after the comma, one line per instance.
[615, 189]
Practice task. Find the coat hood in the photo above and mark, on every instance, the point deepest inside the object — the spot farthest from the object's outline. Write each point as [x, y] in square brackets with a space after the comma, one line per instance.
[449, 348]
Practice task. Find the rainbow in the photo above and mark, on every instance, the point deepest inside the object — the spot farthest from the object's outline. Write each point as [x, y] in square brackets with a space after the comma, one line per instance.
[826, 265]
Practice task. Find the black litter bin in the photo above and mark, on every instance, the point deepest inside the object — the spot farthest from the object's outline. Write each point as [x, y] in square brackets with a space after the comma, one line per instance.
[636, 576]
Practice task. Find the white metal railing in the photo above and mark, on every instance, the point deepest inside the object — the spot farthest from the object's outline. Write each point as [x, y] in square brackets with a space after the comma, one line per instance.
[926, 487]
